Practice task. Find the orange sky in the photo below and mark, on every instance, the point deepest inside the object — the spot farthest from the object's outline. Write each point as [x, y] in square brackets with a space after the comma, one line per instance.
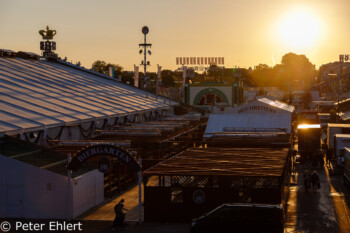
[245, 32]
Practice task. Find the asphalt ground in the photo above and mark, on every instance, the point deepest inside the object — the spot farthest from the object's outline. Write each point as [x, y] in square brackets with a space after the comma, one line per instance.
[324, 210]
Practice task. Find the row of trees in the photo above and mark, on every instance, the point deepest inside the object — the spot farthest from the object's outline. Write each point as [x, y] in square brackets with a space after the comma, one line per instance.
[294, 71]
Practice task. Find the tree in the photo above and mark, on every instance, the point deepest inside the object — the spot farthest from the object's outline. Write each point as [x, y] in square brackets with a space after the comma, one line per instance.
[127, 77]
[102, 67]
[168, 78]
[99, 66]
[264, 76]
[262, 67]
[294, 72]
[299, 71]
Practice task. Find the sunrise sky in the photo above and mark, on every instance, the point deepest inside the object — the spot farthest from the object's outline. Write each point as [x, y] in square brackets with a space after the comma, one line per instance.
[245, 32]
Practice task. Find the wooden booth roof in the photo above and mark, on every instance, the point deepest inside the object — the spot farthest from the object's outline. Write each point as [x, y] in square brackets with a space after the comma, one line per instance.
[223, 162]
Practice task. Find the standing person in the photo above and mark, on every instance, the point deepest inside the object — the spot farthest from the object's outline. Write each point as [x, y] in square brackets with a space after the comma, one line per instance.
[307, 180]
[119, 215]
[315, 180]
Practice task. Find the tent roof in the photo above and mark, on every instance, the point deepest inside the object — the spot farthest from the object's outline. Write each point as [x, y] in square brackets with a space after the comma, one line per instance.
[244, 122]
[35, 94]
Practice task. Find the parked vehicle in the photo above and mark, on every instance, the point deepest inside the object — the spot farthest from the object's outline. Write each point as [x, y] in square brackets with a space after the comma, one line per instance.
[336, 129]
[309, 140]
[346, 171]
[340, 142]
[241, 217]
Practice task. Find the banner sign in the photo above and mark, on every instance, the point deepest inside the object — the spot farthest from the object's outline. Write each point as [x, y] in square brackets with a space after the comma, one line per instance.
[200, 61]
[105, 150]
[344, 57]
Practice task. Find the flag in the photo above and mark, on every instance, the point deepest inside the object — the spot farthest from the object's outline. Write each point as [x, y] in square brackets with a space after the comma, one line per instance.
[136, 76]
[184, 74]
[159, 77]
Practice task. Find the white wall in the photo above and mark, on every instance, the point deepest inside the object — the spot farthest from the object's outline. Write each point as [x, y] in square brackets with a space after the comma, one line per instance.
[87, 191]
[41, 193]
[27, 191]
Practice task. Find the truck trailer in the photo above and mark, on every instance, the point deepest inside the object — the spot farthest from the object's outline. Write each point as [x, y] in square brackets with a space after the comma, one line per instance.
[346, 171]
[340, 142]
[333, 129]
[309, 140]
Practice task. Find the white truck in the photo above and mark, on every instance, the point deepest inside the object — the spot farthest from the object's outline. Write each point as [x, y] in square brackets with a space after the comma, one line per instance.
[347, 165]
[340, 142]
[333, 129]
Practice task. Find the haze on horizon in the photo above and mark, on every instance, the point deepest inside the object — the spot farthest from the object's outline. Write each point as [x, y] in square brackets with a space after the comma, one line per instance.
[245, 32]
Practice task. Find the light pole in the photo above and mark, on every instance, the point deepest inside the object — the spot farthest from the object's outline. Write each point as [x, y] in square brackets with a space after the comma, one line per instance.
[145, 31]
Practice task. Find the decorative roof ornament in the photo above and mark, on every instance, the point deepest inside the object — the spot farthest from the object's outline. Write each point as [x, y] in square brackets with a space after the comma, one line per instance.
[48, 46]
[48, 34]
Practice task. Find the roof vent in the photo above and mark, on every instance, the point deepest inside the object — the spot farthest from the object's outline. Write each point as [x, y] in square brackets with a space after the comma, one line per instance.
[6, 52]
[27, 55]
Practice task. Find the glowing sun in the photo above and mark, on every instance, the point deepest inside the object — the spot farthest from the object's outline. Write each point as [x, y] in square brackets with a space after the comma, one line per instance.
[300, 29]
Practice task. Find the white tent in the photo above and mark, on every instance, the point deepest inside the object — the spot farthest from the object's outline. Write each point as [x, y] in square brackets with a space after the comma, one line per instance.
[246, 122]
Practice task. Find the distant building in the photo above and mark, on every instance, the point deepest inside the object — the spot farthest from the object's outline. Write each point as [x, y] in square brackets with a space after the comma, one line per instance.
[333, 69]
[334, 80]
[211, 95]
[261, 114]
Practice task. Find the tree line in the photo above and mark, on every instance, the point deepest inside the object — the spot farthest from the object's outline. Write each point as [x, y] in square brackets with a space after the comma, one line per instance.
[294, 71]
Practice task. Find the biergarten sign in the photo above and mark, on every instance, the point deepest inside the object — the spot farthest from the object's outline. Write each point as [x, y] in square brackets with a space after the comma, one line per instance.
[104, 165]
[104, 150]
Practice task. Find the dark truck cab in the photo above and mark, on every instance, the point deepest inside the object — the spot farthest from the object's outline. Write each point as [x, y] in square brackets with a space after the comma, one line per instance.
[241, 217]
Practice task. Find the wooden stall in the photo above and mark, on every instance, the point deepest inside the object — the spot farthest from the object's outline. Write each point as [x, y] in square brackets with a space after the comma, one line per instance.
[199, 179]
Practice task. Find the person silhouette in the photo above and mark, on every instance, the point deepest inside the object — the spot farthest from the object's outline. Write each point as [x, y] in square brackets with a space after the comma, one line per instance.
[315, 181]
[119, 219]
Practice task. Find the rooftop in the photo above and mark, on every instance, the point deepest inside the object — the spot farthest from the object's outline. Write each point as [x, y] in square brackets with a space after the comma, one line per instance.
[223, 162]
[38, 156]
[37, 94]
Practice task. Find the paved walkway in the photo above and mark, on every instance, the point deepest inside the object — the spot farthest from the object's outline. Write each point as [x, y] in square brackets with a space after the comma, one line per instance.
[100, 219]
[321, 211]
[105, 211]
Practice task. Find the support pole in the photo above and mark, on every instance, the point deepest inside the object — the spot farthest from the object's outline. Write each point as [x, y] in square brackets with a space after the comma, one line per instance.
[69, 175]
[140, 190]
[144, 58]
